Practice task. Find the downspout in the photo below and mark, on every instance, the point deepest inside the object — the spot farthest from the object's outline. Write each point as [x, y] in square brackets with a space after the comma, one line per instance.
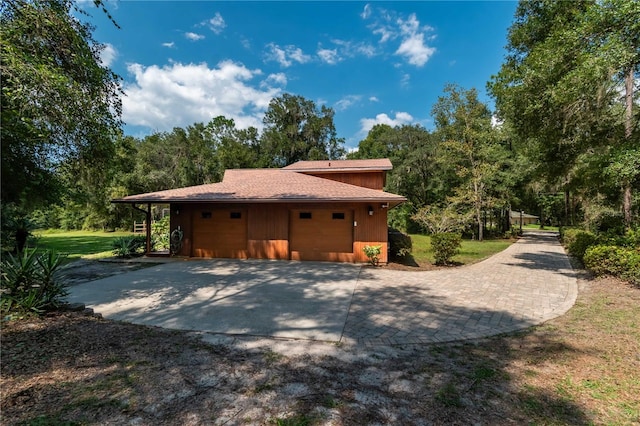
[148, 227]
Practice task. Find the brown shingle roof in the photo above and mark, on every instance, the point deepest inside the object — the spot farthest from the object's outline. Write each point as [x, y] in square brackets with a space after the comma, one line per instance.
[378, 164]
[267, 185]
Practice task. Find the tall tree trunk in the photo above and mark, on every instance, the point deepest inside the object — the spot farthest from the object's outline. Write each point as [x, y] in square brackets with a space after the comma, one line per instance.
[566, 207]
[628, 129]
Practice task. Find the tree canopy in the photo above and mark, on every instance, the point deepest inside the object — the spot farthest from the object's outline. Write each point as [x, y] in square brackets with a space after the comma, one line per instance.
[569, 88]
[59, 102]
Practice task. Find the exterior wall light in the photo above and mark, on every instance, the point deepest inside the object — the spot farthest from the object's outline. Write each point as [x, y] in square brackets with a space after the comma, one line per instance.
[370, 210]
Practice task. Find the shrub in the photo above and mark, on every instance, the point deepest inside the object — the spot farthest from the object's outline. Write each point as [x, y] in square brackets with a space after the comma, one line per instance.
[604, 219]
[373, 254]
[30, 282]
[128, 246]
[445, 246]
[400, 244]
[568, 235]
[621, 262]
[578, 241]
[160, 233]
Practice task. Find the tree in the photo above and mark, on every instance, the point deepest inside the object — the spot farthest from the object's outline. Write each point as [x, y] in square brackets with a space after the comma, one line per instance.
[560, 87]
[59, 103]
[295, 129]
[472, 149]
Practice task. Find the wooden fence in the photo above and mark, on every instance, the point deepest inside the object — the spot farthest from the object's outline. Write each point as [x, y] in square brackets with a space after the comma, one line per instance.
[140, 227]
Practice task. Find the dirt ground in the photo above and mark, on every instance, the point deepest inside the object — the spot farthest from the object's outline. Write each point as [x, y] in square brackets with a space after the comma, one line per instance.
[76, 368]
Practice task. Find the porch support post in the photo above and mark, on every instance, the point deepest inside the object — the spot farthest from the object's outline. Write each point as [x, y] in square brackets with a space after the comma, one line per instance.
[148, 227]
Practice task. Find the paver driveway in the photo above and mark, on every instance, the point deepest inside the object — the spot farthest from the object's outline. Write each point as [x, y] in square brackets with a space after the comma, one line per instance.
[528, 283]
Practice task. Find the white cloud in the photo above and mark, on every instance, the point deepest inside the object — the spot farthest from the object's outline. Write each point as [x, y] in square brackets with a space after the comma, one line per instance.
[329, 56]
[279, 79]
[401, 118]
[413, 37]
[413, 44]
[366, 12]
[406, 79]
[373, 99]
[169, 45]
[193, 36]
[385, 34]
[287, 55]
[297, 55]
[108, 54]
[352, 49]
[181, 94]
[216, 24]
[347, 102]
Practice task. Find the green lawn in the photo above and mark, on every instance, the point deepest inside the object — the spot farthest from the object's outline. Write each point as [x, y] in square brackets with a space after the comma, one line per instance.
[534, 227]
[78, 244]
[94, 244]
[471, 251]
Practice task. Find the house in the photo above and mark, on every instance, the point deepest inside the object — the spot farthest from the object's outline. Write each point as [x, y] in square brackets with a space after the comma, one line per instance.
[309, 210]
[517, 217]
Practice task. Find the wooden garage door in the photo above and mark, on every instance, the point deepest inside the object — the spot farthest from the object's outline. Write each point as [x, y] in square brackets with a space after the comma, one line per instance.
[220, 233]
[321, 234]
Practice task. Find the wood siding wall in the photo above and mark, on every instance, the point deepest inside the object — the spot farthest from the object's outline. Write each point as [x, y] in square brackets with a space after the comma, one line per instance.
[371, 180]
[268, 234]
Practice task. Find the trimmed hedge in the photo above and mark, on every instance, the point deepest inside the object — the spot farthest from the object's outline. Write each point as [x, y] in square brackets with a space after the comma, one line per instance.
[620, 262]
[445, 245]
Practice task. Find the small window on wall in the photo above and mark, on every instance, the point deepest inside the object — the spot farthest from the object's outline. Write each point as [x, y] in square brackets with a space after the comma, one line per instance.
[305, 215]
[206, 215]
[338, 216]
[235, 215]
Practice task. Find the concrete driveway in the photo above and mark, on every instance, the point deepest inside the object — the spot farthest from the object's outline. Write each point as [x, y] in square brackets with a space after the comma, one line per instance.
[297, 300]
[528, 283]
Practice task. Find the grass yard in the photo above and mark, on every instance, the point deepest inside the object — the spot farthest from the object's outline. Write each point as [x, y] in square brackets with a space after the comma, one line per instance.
[471, 251]
[78, 244]
[534, 227]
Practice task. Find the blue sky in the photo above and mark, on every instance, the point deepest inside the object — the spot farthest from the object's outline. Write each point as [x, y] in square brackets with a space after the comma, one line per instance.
[376, 62]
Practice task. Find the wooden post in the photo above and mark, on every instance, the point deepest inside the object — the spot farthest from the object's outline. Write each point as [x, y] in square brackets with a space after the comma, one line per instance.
[148, 228]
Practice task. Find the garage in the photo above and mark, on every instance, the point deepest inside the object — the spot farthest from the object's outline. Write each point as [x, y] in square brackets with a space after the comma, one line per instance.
[321, 234]
[325, 210]
[220, 232]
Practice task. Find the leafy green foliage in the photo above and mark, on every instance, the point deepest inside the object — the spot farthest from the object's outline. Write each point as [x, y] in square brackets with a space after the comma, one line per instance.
[128, 246]
[295, 129]
[60, 105]
[618, 261]
[437, 220]
[445, 245]
[473, 151]
[16, 228]
[30, 282]
[559, 89]
[160, 233]
[373, 254]
[578, 241]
